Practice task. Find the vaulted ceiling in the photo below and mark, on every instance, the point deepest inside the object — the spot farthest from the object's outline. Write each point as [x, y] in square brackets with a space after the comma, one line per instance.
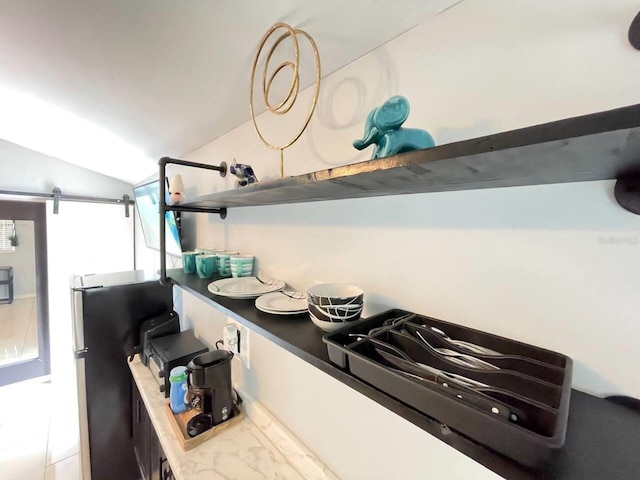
[167, 76]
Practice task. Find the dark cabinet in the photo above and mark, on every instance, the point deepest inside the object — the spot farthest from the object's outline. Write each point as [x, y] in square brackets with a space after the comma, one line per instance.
[7, 281]
[151, 459]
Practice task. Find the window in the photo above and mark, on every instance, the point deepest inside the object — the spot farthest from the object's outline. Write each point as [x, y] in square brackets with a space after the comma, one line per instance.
[7, 231]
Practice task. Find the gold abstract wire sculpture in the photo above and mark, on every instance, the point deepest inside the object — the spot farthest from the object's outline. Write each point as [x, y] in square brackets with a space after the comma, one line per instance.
[285, 105]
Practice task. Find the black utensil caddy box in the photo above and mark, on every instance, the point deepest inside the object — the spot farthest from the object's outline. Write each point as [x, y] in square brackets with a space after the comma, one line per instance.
[535, 382]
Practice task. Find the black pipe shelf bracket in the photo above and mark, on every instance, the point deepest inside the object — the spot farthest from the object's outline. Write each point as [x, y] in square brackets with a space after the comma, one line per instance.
[634, 32]
[627, 192]
[164, 208]
[627, 188]
[178, 208]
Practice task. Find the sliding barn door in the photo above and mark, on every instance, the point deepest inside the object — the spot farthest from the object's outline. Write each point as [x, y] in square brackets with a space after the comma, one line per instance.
[83, 238]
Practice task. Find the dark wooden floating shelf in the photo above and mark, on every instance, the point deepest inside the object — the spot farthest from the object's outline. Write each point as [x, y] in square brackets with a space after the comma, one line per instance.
[602, 436]
[597, 146]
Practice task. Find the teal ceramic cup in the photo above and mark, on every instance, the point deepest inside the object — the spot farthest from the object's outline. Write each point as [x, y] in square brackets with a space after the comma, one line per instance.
[206, 265]
[189, 261]
[241, 265]
[224, 267]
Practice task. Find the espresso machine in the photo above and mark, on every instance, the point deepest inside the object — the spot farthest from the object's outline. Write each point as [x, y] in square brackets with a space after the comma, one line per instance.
[210, 390]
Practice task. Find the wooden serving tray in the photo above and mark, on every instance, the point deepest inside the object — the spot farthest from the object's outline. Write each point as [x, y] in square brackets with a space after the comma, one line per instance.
[179, 425]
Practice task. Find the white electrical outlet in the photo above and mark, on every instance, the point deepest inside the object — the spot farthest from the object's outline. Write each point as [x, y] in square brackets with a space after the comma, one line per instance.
[230, 337]
[236, 340]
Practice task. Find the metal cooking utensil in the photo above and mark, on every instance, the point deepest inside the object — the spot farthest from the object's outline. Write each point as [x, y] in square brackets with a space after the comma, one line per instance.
[291, 295]
[470, 347]
[391, 321]
[422, 369]
[461, 359]
[407, 367]
[387, 323]
[357, 336]
[454, 377]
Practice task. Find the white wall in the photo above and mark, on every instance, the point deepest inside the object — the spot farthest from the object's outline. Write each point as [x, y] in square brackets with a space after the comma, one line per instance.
[530, 263]
[25, 170]
[348, 431]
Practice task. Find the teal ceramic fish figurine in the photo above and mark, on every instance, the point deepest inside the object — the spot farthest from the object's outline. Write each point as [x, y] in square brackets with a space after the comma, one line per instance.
[383, 127]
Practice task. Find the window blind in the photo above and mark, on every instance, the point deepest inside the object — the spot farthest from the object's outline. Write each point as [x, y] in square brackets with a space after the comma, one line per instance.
[7, 229]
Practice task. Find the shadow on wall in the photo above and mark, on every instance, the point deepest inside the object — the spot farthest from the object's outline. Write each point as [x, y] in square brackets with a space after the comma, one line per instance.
[598, 385]
[460, 133]
[343, 107]
[574, 206]
[377, 303]
[364, 92]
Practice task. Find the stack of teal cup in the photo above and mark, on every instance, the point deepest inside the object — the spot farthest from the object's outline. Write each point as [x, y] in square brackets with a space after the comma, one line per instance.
[189, 261]
[206, 265]
[223, 263]
[241, 265]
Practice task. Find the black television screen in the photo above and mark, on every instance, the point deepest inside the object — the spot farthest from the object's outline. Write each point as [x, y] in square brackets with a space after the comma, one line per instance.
[147, 198]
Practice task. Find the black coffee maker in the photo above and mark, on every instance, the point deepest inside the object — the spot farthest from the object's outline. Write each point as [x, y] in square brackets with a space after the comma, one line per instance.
[210, 390]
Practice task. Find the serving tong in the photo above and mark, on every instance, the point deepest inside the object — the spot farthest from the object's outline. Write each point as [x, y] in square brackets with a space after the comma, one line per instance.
[462, 359]
[293, 295]
[529, 391]
[463, 345]
[387, 323]
[483, 362]
[464, 389]
[485, 383]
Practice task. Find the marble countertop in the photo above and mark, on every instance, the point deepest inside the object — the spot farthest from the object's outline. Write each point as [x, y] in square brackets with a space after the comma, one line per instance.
[258, 447]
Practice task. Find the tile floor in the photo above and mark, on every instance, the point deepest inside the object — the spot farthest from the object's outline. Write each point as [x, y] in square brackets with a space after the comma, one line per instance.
[18, 339]
[38, 437]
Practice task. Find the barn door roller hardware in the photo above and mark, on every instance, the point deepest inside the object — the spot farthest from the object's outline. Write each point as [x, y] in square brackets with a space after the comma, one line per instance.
[58, 196]
[126, 201]
[56, 200]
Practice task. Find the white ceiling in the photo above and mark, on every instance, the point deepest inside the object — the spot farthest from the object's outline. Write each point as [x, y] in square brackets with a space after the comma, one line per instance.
[169, 76]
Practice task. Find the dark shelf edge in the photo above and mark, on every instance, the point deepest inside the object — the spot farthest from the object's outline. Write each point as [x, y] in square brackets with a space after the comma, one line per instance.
[584, 434]
[608, 139]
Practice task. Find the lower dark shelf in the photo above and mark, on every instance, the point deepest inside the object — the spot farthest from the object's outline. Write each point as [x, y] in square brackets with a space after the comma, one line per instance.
[602, 436]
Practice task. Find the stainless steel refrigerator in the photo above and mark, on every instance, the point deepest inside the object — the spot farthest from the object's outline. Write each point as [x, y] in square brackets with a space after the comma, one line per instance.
[107, 311]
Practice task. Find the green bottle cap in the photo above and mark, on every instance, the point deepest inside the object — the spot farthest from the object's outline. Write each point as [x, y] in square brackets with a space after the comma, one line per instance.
[178, 374]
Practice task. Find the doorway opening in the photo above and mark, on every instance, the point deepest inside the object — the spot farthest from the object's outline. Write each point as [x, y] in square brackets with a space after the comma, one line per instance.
[24, 309]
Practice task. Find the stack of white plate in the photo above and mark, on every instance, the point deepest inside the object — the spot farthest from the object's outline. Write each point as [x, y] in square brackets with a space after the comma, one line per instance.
[245, 287]
[282, 303]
